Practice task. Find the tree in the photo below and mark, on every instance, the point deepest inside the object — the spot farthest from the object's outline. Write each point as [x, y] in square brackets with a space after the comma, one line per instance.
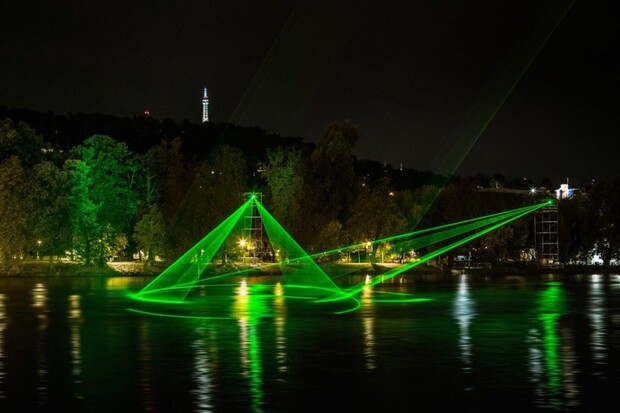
[284, 172]
[13, 214]
[413, 204]
[150, 233]
[49, 220]
[331, 185]
[20, 140]
[573, 229]
[603, 219]
[374, 215]
[216, 191]
[86, 229]
[104, 201]
[171, 180]
[332, 169]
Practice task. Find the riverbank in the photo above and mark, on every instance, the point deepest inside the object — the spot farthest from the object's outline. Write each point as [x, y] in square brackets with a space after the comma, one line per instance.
[68, 268]
[141, 268]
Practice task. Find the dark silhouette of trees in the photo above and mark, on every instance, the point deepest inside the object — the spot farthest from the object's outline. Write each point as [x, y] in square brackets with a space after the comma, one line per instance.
[159, 187]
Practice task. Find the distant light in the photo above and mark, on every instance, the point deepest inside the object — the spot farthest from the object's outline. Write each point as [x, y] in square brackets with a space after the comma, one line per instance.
[243, 288]
[533, 190]
[147, 113]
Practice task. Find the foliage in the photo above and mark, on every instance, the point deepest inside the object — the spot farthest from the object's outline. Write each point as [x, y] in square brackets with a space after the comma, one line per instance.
[20, 140]
[101, 201]
[374, 215]
[104, 200]
[49, 221]
[603, 219]
[13, 214]
[284, 173]
[332, 177]
[150, 233]
[217, 190]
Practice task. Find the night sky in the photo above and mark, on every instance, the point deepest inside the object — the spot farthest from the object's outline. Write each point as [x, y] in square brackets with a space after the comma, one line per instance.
[522, 88]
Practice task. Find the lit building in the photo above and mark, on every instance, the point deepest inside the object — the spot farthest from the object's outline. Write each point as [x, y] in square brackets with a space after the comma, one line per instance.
[564, 192]
[205, 106]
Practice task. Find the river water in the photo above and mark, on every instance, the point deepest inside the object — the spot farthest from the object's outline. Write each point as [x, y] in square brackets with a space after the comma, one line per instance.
[465, 343]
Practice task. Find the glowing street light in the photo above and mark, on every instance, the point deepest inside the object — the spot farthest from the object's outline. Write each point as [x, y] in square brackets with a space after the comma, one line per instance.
[368, 246]
[243, 243]
[38, 247]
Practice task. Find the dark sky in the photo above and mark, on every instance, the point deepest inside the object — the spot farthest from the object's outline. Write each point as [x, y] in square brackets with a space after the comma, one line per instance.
[525, 88]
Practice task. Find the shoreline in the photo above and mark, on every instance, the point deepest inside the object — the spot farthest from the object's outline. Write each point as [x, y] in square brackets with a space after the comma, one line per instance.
[139, 269]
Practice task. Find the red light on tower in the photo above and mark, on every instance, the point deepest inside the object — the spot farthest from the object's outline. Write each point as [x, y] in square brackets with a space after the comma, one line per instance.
[147, 113]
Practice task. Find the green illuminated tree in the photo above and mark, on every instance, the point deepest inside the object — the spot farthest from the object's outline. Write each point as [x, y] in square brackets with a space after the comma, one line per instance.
[104, 200]
[87, 231]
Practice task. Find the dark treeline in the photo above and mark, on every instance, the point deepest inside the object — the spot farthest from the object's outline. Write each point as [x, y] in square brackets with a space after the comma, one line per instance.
[97, 187]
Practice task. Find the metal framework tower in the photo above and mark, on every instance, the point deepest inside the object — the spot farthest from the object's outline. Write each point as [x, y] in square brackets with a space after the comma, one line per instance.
[205, 106]
[258, 246]
[546, 236]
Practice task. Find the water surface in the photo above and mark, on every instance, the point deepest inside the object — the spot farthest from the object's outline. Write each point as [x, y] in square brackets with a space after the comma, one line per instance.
[467, 343]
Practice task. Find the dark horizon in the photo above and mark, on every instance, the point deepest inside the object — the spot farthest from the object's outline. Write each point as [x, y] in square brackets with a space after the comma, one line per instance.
[119, 128]
[522, 89]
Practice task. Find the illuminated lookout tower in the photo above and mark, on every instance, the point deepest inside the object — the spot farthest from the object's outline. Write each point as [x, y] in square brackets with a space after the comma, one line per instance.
[205, 106]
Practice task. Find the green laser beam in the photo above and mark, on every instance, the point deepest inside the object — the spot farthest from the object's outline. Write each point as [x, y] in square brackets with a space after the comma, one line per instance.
[173, 285]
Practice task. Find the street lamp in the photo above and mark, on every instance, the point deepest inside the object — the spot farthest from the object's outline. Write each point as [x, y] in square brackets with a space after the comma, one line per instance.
[242, 244]
[38, 247]
[368, 246]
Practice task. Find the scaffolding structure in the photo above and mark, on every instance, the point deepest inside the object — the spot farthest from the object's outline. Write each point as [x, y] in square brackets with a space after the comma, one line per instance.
[546, 236]
[258, 248]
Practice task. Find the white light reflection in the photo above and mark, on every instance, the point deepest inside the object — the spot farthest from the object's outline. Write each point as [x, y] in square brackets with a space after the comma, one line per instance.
[368, 326]
[202, 374]
[39, 301]
[280, 323]
[596, 313]
[464, 313]
[75, 320]
[569, 368]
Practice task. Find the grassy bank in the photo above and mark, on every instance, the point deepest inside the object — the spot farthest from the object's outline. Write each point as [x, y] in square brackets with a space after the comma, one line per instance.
[141, 268]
